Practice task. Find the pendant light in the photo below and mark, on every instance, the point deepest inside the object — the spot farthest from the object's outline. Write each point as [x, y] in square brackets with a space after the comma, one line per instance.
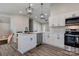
[29, 9]
[42, 15]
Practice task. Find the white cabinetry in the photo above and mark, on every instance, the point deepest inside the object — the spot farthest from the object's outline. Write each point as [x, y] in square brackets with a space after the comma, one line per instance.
[59, 38]
[26, 42]
[45, 37]
[55, 38]
[57, 21]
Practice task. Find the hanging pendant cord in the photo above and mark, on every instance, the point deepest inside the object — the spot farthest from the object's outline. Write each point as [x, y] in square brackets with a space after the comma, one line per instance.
[41, 8]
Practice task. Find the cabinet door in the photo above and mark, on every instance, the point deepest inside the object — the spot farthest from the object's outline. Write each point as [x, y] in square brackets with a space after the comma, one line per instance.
[33, 41]
[25, 43]
[59, 20]
[55, 21]
[59, 41]
[51, 21]
[59, 38]
[45, 37]
[48, 38]
[62, 40]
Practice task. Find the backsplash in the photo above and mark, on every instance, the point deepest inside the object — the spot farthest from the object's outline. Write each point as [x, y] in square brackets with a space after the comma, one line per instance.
[72, 27]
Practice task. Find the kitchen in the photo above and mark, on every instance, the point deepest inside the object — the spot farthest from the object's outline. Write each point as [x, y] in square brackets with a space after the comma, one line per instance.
[31, 32]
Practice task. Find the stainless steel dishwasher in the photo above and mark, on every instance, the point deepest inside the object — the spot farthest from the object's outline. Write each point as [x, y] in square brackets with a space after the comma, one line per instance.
[39, 38]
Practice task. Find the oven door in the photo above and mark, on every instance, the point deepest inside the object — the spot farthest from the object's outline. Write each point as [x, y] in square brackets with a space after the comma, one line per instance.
[77, 42]
[70, 41]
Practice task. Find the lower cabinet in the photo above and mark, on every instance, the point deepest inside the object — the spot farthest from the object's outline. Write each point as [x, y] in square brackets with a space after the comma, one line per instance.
[55, 38]
[26, 42]
[45, 37]
[59, 40]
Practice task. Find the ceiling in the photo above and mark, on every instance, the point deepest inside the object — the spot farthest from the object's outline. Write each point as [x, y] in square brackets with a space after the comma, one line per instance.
[20, 9]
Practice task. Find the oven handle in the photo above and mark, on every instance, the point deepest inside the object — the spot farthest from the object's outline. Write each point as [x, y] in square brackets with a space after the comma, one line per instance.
[77, 40]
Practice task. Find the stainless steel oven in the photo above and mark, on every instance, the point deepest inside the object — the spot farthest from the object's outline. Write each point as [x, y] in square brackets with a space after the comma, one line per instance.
[72, 39]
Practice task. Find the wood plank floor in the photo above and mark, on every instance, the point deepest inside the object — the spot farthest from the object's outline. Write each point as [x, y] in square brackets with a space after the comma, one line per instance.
[7, 50]
[47, 50]
[42, 50]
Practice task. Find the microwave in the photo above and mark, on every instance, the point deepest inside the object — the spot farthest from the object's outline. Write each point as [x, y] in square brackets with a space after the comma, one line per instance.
[73, 20]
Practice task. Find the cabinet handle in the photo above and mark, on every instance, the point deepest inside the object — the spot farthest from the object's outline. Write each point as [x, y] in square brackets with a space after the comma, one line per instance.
[48, 36]
[58, 37]
[31, 38]
[77, 40]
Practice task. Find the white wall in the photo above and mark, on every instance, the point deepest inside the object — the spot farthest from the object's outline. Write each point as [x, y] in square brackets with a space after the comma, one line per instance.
[18, 23]
[37, 26]
[4, 25]
[63, 8]
[40, 27]
[4, 28]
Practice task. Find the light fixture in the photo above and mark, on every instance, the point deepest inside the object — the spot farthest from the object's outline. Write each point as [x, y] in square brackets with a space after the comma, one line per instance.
[42, 15]
[29, 9]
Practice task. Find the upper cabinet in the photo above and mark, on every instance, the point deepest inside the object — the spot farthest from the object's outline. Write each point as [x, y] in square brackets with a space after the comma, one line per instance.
[57, 21]
[60, 20]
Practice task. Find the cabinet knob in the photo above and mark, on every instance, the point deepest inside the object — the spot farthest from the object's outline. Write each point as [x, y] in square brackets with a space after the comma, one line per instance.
[31, 38]
[48, 36]
[58, 37]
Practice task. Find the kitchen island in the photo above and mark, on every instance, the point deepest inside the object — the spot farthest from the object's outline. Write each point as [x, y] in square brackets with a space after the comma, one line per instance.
[26, 42]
